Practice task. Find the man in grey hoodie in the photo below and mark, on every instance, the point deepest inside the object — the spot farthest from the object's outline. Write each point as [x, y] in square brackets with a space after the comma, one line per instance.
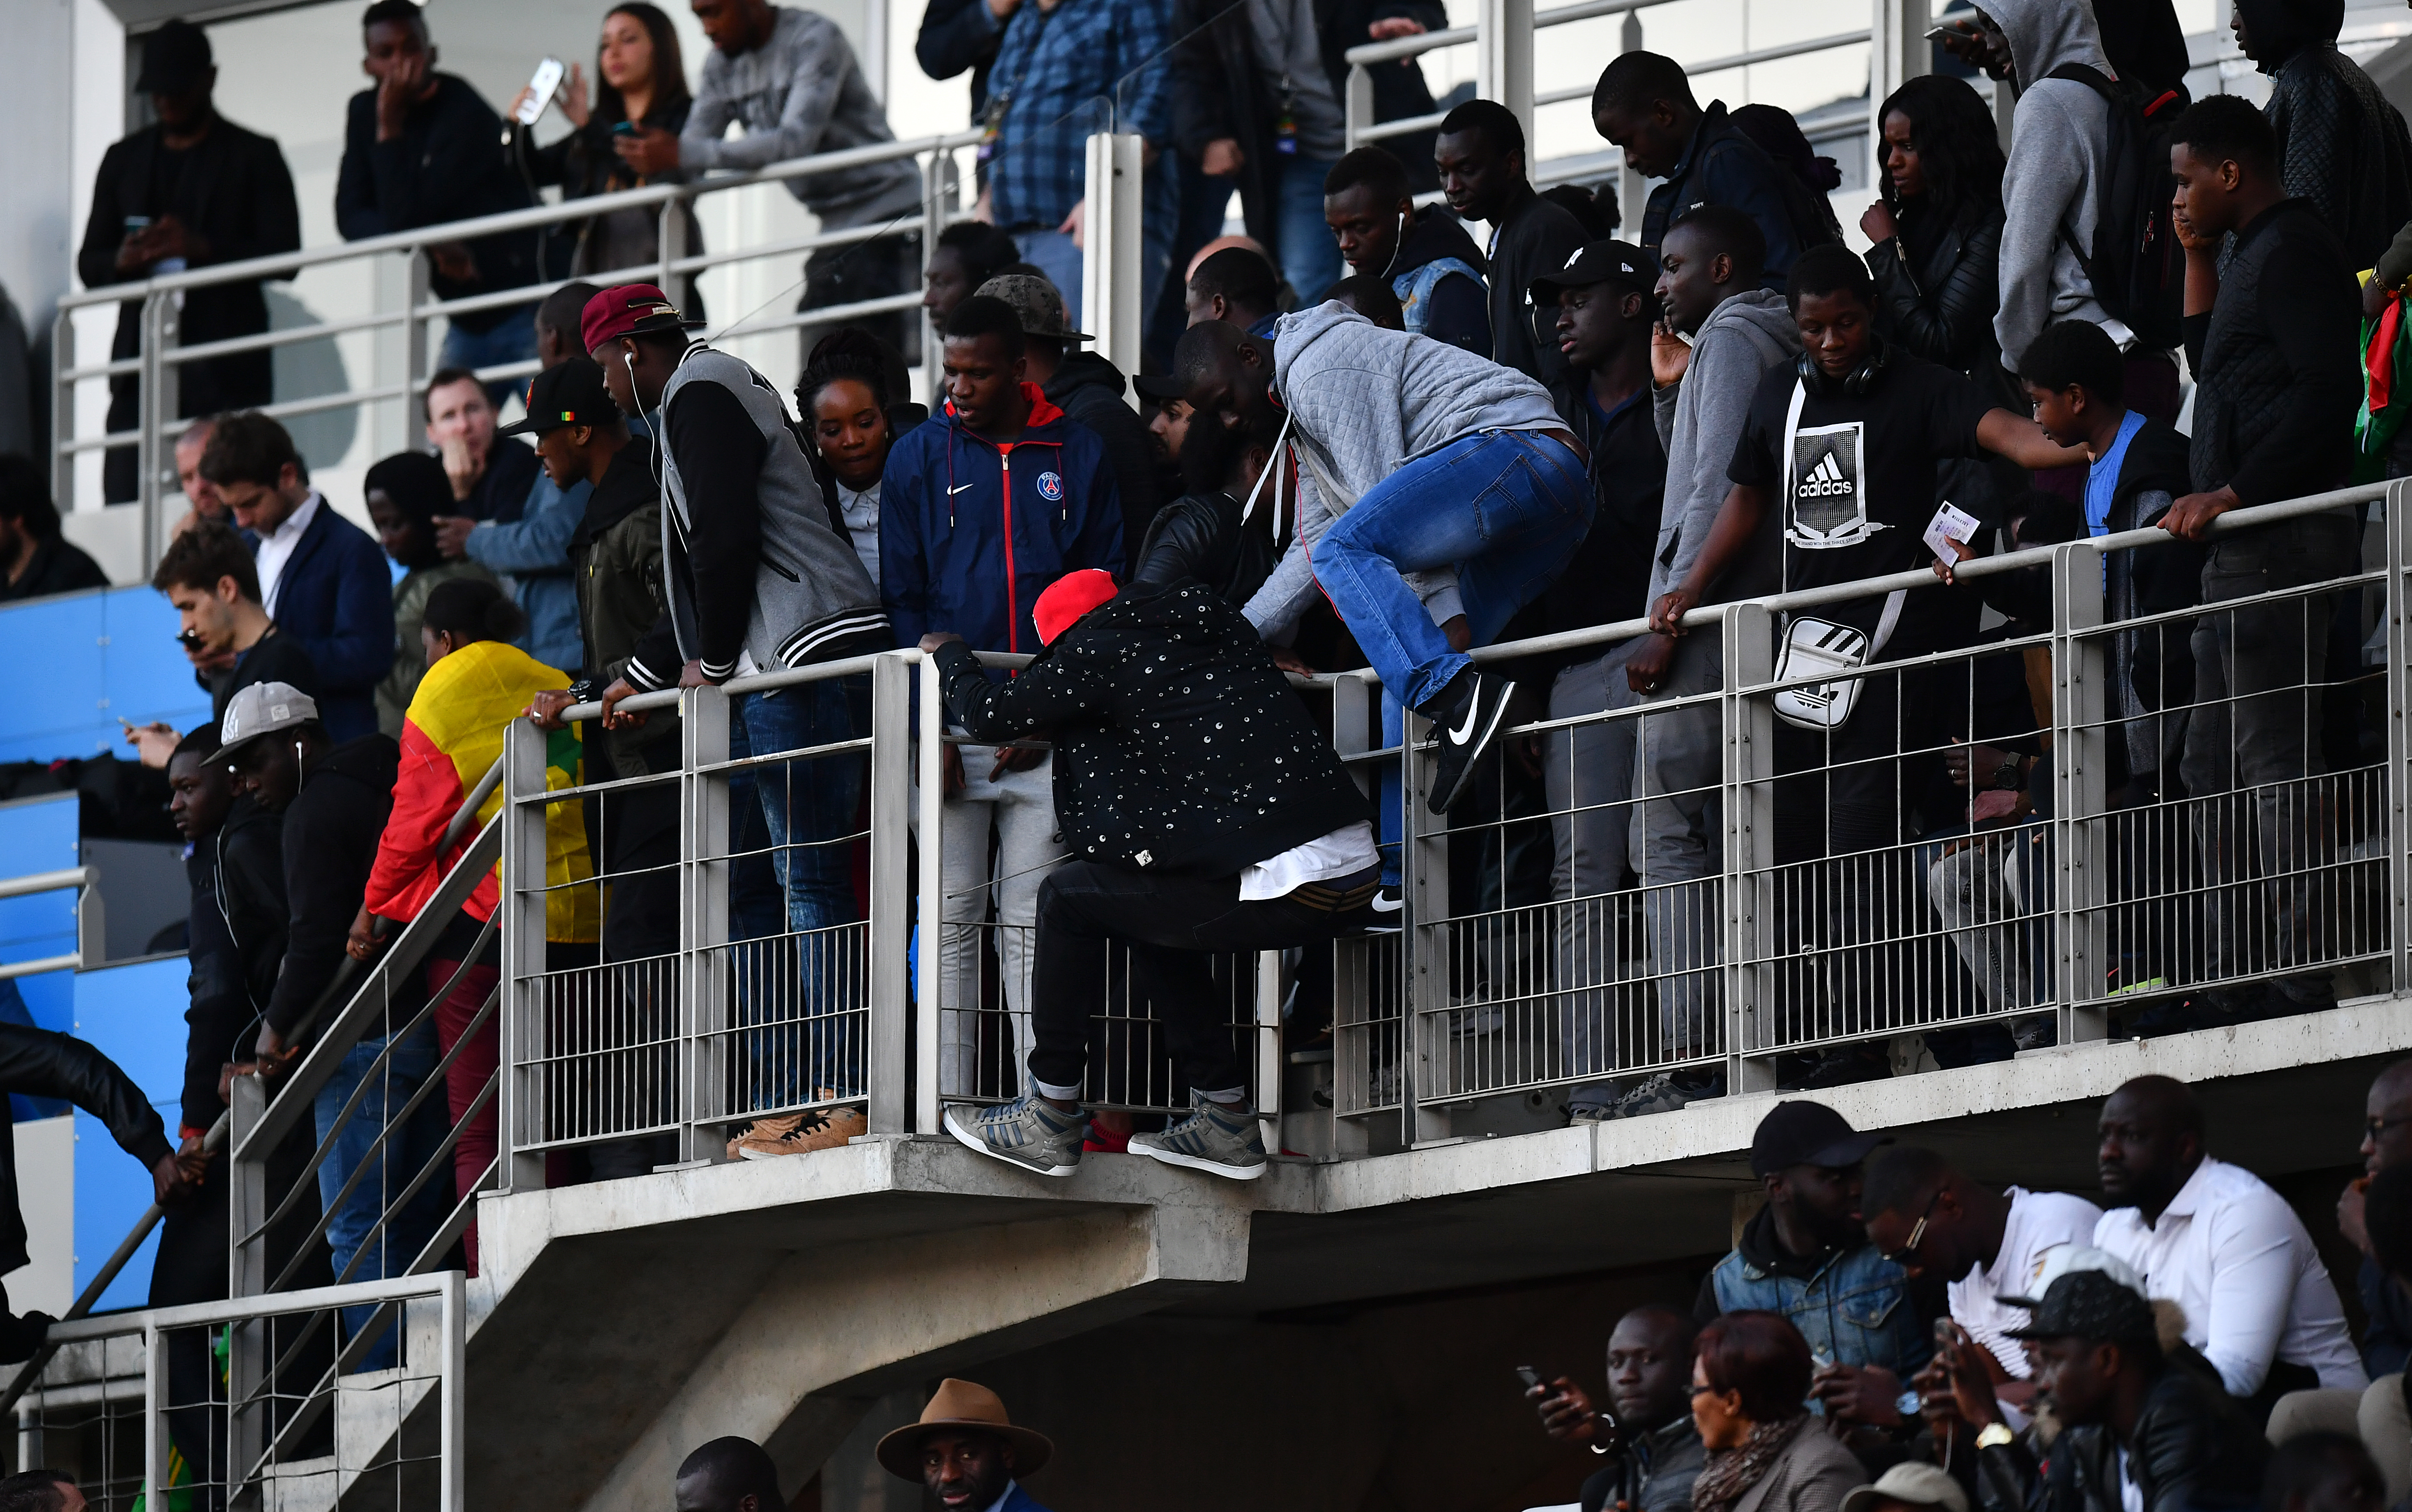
[2059, 151]
[1463, 492]
[1709, 289]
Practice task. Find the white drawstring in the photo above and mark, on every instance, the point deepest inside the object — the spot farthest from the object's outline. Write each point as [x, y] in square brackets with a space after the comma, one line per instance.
[1277, 471]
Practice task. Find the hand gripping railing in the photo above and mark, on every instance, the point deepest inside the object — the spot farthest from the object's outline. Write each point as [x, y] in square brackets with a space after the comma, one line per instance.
[159, 298]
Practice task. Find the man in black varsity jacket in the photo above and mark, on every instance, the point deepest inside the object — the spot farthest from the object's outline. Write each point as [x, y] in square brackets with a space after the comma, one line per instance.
[1204, 814]
[756, 580]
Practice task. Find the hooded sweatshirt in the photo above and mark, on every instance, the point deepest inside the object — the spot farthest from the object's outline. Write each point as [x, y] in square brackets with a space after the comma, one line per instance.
[1363, 403]
[2059, 141]
[330, 839]
[1700, 419]
[2340, 145]
[1090, 389]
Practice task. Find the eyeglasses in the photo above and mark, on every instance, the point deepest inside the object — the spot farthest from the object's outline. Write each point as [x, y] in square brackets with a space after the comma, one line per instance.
[1908, 1252]
[2377, 1127]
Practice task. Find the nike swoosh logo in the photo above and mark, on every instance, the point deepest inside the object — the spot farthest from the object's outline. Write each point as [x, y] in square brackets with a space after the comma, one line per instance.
[1473, 708]
[958, 489]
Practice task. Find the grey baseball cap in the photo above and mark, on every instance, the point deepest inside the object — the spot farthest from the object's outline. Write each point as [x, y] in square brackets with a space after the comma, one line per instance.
[1038, 302]
[262, 708]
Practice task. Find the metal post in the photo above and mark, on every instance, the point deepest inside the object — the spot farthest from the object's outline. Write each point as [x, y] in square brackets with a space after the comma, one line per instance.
[154, 1416]
[248, 1203]
[1898, 51]
[2081, 763]
[1503, 58]
[452, 1469]
[2398, 739]
[415, 291]
[670, 239]
[1750, 919]
[1352, 1055]
[704, 870]
[929, 928]
[1356, 110]
[63, 418]
[1268, 1046]
[154, 404]
[891, 904]
[1425, 996]
[1632, 189]
[1111, 309]
[528, 1030]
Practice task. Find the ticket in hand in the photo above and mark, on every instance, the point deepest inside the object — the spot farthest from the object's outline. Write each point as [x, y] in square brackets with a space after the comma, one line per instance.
[1951, 523]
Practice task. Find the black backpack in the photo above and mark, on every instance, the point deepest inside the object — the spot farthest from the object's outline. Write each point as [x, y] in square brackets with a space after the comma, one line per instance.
[2136, 265]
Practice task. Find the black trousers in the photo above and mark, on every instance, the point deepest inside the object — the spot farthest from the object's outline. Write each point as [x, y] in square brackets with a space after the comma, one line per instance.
[858, 271]
[1174, 925]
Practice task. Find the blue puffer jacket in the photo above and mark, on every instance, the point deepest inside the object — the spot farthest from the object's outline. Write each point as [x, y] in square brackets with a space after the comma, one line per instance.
[971, 532]
[1855, 1310]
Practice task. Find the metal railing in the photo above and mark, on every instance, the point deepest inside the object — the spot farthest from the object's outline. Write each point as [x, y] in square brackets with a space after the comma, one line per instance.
[159, 354]
[142, 1408]
[90, 928]
[1519, 980]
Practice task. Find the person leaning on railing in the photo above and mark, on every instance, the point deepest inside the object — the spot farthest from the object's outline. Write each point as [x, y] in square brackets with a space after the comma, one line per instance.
[477, 683]
[1204, 814]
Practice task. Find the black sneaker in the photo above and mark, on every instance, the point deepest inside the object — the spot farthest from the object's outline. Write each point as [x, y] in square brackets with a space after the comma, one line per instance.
[1465, 717]
[1384, 913]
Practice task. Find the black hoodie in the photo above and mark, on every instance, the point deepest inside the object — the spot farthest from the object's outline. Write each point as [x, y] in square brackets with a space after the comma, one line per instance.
[1090, 389]
[331, 828]
[237, 943]
[2340, 145]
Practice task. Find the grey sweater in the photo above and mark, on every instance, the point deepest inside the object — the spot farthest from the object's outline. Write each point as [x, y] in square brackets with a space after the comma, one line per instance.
[1700, 419]
[1365, 403]
[2059, 138]
[797, 94]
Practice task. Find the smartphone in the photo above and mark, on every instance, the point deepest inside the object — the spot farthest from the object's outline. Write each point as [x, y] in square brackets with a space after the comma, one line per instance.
[190, 639]
[541, 88]
[1531, 1377]
[624, 128]
[136, 224]
[1937, 34]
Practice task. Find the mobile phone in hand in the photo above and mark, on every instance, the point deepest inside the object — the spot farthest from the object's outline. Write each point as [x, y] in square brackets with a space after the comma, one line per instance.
[541, 88]
[1531, 1377]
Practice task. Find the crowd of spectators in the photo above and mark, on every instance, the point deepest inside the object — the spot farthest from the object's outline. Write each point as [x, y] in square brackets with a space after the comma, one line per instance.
[1457, 443]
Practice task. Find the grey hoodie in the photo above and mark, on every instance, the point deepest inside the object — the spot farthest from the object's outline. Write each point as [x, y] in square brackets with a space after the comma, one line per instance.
[1363, 402]
[2058, 141]
[1700, 421]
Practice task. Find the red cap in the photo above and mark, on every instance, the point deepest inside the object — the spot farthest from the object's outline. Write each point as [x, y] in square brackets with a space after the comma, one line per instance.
[1068, 598]
[625, 309]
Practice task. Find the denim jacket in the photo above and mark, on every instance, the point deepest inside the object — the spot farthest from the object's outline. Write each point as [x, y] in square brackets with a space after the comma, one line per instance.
[1854, 1308]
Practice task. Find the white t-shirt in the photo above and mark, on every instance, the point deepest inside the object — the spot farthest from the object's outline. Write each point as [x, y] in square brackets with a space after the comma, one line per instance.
[2039, 1221]
[276, 548]
[2230, 1251]
[1344, 852]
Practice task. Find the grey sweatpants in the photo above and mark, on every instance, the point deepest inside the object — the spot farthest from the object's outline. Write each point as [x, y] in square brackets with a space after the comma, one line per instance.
[1587, 772]
[1676, 850]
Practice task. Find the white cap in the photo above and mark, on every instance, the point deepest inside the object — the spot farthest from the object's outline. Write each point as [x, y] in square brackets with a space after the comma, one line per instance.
[2066, 1259]
[262, 708]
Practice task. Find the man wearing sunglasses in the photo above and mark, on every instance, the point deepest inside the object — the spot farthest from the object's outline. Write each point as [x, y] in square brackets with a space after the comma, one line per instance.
[1933, 1220]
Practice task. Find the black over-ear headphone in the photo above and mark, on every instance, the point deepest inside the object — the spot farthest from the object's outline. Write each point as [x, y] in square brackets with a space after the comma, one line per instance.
[1852, 385]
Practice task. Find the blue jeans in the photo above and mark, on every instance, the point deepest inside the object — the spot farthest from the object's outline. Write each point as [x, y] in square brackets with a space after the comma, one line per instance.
[808, 812]
[406, 1153]
[1310, 259]
[1506, 508]
[511, 339]
[1051, 253]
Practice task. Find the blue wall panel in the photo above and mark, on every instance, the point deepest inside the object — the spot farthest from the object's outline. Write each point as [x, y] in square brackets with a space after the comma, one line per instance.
[38, 834]
[134, 1015]
[75, 664]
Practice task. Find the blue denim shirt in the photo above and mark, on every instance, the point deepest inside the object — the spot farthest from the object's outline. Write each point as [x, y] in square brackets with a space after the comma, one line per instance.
[1853, 1311]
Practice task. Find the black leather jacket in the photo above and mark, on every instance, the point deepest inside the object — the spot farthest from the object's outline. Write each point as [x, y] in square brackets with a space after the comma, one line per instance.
[2191, 1449]
[1200, 535]
[40, 1063]
[1942, 308]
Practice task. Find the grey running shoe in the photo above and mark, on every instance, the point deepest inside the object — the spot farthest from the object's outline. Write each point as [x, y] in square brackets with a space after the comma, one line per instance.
[1028, 1132]
[1215, 1137]
[1669, 1091]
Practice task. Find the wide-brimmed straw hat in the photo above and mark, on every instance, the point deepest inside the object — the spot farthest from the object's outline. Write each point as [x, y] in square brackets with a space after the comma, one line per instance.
[962, 1404]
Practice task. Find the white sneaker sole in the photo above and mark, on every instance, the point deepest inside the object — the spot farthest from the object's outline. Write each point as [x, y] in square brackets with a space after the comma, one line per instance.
[979, 1145]
[1173, 1157]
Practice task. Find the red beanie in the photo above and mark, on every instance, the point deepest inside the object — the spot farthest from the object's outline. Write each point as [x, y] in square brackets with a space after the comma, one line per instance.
[1068, 598]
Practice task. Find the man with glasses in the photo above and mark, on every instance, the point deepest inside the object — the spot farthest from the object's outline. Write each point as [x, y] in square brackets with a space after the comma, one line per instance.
[1933, 1220]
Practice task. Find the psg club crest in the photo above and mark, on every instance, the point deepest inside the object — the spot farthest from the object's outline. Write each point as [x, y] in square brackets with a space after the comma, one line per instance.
[1050, 487]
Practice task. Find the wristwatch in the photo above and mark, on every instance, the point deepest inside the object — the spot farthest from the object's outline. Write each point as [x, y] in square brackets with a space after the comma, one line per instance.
[2007, 775]
[1995, 1436]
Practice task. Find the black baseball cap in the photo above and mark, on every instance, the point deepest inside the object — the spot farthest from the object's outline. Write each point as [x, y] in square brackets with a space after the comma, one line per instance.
[176, 58]
[1807, 1134]
[2092, 1306]
[1160, 387]
[567, 393]
[1602, 262]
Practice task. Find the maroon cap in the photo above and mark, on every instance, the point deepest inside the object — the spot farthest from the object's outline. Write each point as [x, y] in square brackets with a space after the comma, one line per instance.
[627, 309]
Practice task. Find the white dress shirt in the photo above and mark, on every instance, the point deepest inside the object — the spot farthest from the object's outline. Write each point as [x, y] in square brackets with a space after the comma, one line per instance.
[2039, 1221]
[2232, 1253]
[276, 548]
